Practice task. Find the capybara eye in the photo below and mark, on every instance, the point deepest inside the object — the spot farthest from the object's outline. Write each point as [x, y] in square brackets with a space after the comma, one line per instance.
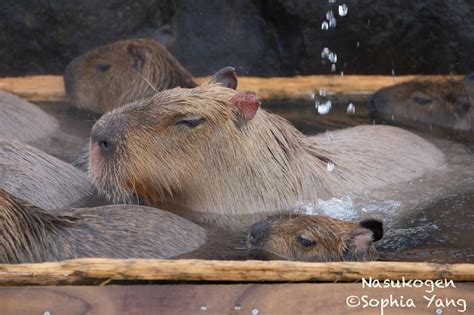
[305, 241]
[191, 123]
[421, 98]
[102, 67]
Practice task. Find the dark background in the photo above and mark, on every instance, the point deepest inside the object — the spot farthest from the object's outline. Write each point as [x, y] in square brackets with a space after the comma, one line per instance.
[258, 37]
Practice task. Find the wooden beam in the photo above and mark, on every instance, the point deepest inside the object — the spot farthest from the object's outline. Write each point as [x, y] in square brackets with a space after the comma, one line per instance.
[258, 299]
[95, 270]
[51, 87]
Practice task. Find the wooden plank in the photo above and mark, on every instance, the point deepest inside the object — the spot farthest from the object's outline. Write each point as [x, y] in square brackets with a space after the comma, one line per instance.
[256, 299]
[51, 87]
[93, 270]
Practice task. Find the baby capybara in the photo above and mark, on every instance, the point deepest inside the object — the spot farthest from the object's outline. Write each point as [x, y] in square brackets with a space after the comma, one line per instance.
[441, 105]
[211, 150]
[29, 234]
[313, 238]
[112, 75]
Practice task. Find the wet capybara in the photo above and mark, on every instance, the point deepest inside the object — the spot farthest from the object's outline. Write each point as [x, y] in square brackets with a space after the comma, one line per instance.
[39, 178]
[28, 123]
[29, 234]
[302, 237]
[212, 150]
[20, 120]
[115, 74]
[440, 105]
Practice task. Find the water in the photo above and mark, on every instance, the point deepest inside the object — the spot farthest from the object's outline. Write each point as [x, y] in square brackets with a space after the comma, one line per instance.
[343, 9]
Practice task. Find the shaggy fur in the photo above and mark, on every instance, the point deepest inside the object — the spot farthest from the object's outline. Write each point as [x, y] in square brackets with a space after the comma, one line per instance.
[230, 165]
[29, 234]
[23, 121]
[133, 69]
[448, 104]
[279, 237]
[39, 178]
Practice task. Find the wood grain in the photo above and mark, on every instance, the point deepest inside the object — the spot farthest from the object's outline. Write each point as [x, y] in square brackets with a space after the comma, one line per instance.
[258, 299]
[51, 87]
[95, 270]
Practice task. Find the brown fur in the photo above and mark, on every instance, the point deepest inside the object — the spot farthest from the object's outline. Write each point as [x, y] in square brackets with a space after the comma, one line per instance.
[29, 234]
[39, 178]
[280, 237]
[447, 105]
[233, 166]
[133, 69]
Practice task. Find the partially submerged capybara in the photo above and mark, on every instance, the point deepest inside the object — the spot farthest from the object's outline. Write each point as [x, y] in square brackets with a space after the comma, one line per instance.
[29, 234]
[39, 178]
[25, 122]
[212, 150]
[313, 238]
[444, 105]
[115, 74]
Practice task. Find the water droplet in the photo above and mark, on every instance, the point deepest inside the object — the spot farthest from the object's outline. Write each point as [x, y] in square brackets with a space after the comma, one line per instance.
[393, 72]
[342, 73]
[322, 92]
[358, 44]
[332, 1]
[255, 311]
[393, 117]
[325, 25]
[350, 109]
[324, 107]
[312, 95]
[332, 57]
[343, 9]
[237, 307]
[329, 136]
[331, 19]
[203, 307]
[439, 311]
[46, 313]
[333, 67]
[373, 122]
[325, 52]
[330, 166]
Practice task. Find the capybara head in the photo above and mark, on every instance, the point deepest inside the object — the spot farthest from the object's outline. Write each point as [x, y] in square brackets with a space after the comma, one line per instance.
[115, 74]
[167, 139]
[447, 104]
[302, 237]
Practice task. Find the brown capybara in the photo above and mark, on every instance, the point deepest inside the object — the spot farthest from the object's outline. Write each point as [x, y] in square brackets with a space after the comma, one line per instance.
[313, 238]
[39, 178]
[440, 105]
[212, 150]
[27, 123]
[23, 121]
[115, 74]
[29, 234]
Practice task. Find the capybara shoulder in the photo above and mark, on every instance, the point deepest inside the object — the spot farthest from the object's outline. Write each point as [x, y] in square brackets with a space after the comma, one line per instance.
[30, 234]
[212, 150]
[39, 178]
[313, 238]
[23, 121]
[444, 105]
[112, 75]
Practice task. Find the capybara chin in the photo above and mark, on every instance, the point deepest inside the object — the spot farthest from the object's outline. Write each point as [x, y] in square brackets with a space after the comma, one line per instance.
[212, 150]
[439, 105]
[118, 73]
[313, 238]
[29, 234]
[39, 178]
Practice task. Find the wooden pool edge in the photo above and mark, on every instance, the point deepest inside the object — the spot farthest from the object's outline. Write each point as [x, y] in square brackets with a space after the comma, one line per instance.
[98, 270]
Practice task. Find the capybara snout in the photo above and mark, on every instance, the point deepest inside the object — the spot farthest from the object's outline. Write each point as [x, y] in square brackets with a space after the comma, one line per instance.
[313, 238]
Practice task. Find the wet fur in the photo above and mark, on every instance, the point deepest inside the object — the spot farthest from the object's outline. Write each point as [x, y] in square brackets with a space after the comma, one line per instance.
[29, 234]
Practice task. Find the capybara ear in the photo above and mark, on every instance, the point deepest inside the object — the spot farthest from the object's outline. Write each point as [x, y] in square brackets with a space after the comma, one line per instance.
[138, 55]
[469, 78]
[359, 242]
[227, 77]
[247, 103]
[374, 225]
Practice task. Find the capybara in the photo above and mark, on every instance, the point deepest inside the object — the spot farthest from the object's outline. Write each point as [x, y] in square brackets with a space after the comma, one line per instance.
[212, 150]
[112, 75]
[29, 234]
[23, 121]
[28, 123]
[302, 237]
[440, 105]
[39, 178]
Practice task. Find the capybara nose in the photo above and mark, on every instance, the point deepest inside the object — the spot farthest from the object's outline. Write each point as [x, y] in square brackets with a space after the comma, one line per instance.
[106, 134]
[258, 232]
[106, 145]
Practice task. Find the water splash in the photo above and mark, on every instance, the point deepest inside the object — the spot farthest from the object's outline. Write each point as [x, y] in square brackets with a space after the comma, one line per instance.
[343, 9]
